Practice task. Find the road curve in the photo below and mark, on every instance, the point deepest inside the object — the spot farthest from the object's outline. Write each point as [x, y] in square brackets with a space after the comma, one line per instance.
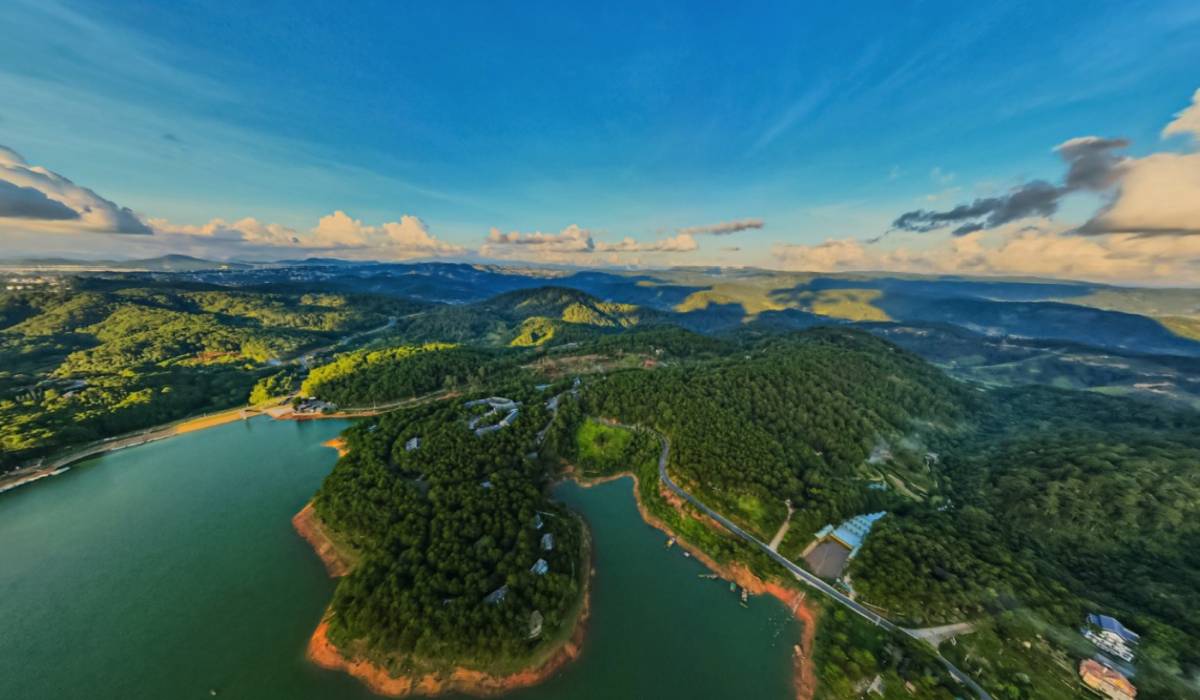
[801, 574]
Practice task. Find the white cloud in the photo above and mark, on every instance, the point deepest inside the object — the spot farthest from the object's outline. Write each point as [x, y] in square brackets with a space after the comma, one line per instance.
[1044, 249]
[572, 239]
[1158, 194]
[576, 245]
[336, 233]
[1187, 121]
[681, 243]
[32, 197]
[724, 228]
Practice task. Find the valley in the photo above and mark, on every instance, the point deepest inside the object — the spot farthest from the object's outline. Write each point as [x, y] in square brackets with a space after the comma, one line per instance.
[968, 439]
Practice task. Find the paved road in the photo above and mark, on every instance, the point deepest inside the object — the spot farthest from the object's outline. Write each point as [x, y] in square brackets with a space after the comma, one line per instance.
[937, 635]
[801, 574]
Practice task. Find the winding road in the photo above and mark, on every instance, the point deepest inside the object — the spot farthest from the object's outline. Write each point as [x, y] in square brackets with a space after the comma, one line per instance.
[801, 574]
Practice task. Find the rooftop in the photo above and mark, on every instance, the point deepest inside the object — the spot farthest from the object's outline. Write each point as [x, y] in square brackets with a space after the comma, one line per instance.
[853, 531]
[1111, 624]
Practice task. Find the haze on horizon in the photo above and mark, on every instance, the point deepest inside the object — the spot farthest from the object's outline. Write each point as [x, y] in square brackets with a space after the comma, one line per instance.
[1055, 139]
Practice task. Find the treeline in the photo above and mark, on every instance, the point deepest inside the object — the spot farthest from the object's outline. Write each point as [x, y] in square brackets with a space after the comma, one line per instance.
[524, 318]
[790, 417]
[851, 653]
[378, 376]
[442, 528]
[1067, 502]
[115, 355]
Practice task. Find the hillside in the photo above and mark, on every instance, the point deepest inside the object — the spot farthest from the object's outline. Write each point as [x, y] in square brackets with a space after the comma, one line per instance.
[111, 356]
[456, 568]
[1036, 501]
[527, 317]
[791, 417]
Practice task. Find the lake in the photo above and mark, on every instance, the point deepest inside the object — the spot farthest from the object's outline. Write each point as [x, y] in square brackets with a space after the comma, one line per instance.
[171, 569]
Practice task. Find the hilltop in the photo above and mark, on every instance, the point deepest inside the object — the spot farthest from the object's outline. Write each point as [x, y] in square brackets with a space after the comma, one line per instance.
[528, 317]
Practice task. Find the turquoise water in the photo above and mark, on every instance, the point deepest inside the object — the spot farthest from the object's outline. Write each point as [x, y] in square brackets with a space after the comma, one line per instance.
[171, 569]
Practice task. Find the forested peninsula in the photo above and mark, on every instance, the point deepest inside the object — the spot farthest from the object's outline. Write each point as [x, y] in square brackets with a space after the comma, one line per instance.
[769, 427]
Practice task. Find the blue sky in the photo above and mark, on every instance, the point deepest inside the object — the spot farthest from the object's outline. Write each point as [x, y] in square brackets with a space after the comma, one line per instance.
[627, 120]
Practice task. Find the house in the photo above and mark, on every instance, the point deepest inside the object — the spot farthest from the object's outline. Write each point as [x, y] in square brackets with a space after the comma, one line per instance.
[535, 624]
[548, 542]
[1106, 681]
[537, 521]
[412, 444]
[1111, 636]
[310, 405]
[496, 596]
[540, 567]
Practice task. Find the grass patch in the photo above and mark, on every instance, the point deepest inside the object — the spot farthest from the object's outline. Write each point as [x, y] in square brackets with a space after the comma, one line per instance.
[1182, 326]
[850, 304]
[602, 449]
[1011, 658]
[851, 652]
[753, 299]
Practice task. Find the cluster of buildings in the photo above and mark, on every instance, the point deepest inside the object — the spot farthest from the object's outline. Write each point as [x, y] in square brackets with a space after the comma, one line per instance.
[20, 284]
[312, 405]
[496, 404]
[1111, 636]
[541, 567]
[1102, 673]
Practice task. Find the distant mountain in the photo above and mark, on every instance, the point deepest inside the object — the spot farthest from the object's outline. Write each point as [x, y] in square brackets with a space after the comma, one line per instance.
[528, 317]
[164, 263]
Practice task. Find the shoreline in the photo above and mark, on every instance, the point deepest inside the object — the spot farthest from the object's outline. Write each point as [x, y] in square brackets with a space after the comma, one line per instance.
[23, 476]
[27, 475]
[338, 443]
[804, 672]
[323, 653]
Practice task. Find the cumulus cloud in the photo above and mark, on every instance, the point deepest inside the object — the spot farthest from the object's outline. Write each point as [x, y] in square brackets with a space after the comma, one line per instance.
[1187, 121]
[576, 245]
[1044, 248]
[572, 239]
[1034, 198]
[34, 197]
[1091, 166]
[337, 233]
[1158, 194]
[724, 228]
[682, 243]
[18, 202]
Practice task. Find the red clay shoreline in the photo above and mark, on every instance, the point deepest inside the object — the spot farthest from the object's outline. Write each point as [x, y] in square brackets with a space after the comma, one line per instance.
[804, 674]
[322, 652]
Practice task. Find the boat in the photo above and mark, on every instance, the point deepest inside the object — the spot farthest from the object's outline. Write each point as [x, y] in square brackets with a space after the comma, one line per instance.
[745, 597]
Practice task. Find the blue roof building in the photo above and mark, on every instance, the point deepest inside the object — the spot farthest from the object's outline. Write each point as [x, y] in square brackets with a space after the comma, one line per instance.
[1113, 625]
[853, 532]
